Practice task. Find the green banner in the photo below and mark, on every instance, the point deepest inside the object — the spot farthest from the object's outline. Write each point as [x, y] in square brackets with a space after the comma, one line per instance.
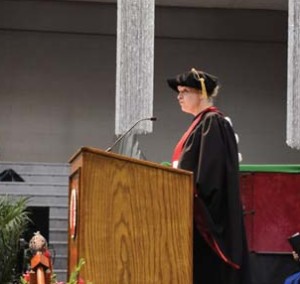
[271, 168]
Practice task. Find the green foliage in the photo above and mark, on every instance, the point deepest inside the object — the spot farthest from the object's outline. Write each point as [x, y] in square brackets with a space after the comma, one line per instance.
[23, 281]
[74, 275]
[13, 221]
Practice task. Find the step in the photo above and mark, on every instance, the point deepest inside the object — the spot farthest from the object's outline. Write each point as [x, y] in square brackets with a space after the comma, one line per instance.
[60, 247]
[22, 188]
[45, 178]
[58, 212]
[46, 168]
[59, 223]
[61, 274]
[60, 262]
[58, 234]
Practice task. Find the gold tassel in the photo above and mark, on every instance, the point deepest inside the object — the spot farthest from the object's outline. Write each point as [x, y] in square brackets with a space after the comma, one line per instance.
[204, 92]
[201, 80]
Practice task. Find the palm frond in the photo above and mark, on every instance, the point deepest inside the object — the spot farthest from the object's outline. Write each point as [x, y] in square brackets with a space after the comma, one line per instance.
[13, 221]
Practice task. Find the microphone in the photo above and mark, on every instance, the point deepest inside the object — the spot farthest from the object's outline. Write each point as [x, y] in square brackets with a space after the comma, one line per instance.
[126, 132]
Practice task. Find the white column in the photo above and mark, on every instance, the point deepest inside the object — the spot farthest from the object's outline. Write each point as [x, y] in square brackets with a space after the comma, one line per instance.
[293, 96]
[135, 60]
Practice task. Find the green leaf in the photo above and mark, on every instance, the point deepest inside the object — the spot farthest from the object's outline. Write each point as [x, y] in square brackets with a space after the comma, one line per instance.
[13, 222]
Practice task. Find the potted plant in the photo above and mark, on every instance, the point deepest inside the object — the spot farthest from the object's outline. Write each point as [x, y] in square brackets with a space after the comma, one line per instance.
[13, 221]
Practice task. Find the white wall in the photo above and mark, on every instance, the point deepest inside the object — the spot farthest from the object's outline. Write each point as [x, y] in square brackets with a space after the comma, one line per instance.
[57, 78]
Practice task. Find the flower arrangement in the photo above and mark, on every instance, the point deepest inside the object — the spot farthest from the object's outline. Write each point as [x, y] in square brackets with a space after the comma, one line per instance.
[41, 265]
[74, 279]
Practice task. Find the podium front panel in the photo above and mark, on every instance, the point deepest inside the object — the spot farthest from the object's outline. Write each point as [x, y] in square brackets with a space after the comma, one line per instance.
[134, 221]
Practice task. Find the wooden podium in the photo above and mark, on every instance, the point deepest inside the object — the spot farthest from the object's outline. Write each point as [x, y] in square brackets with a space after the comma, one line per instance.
[131, 220]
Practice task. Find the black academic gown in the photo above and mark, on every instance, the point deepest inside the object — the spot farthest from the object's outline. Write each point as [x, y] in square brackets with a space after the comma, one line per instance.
[220, 247]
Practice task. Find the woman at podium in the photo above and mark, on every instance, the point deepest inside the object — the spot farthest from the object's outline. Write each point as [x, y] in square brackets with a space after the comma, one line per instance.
[209, 149]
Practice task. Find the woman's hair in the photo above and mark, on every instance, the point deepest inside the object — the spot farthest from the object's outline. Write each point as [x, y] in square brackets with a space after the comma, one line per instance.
[214, 92]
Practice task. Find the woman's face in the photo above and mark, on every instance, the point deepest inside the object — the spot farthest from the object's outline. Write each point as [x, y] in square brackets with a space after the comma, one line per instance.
[189, 99]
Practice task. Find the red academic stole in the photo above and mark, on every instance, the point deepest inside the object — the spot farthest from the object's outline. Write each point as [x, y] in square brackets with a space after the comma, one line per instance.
[179, 147]
[199, 211]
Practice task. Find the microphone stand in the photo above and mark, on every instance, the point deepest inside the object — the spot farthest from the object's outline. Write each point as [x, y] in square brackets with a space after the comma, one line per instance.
[126, 132]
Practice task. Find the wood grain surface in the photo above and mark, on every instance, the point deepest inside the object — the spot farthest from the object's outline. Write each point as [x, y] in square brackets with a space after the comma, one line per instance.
[134, 221]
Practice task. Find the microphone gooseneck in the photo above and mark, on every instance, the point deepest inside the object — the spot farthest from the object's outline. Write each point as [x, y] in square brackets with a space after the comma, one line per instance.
[153, 118]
